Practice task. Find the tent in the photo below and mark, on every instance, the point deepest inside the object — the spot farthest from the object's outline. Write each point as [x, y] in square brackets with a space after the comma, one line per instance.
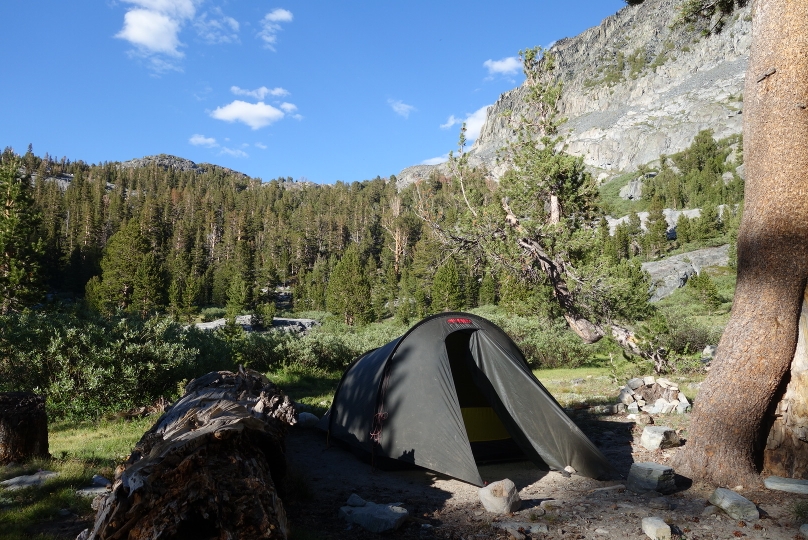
[452, 389]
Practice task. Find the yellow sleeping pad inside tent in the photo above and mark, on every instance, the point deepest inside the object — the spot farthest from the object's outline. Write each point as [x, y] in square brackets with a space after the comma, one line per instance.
[483, 424]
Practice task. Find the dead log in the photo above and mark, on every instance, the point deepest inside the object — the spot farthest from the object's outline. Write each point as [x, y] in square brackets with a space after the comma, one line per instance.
[208, 468]
[23, 427]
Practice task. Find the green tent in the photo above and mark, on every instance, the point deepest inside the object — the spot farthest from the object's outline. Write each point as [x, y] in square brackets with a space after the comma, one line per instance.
[452, 391]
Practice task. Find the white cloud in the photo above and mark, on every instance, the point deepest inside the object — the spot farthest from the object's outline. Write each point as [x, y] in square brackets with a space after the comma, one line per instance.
[288, 107]
[452, 121]
[200, 140]
[235, 152]
[262, 146]
[151, 32]
[260, 93]
[436, 160]
[270, 26]
[507, 66]
[219, 28]
[475, 121]
[179, 9]
[400, 108]
[255, 115]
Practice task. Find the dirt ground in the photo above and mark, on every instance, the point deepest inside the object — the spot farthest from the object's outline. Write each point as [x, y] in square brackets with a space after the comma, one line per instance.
[323, 477]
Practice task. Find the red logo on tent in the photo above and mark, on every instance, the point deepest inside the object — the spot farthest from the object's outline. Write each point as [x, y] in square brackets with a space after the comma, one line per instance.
[459, 321]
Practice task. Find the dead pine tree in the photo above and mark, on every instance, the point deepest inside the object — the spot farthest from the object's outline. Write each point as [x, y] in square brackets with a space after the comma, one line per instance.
[208, 468]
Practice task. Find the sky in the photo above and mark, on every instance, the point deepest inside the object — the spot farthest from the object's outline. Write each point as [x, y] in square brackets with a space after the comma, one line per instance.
[313, 90]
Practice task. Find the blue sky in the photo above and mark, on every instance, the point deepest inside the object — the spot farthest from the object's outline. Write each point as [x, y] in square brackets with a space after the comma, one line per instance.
[309, 89]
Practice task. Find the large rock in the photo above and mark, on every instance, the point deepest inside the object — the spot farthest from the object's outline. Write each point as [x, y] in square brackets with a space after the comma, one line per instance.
[684, 87]
[672, 273]
[791, 485]
[656, 437]
[645, 477]
[29, 480]
[500, 497]
[736, 506]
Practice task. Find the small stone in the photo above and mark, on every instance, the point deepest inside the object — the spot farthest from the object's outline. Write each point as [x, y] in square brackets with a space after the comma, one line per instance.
[735, 505]
[500, 497]
[664, 383]
[683, 398]
[604, 532]
[656, 437]
[641, 402]
[656, 528]
[20, 482]
[645, 477]
[307, 420]
[99, 480]
[549, 504]
[804, 530]
[356, 500]
[710, 511]
[791, 485]
[649, 380]
[632, 408]
[626, 396]
[514, 533]
[659, 503]
[375, 517]
[683, 408]
[635, 383]
[669, 408]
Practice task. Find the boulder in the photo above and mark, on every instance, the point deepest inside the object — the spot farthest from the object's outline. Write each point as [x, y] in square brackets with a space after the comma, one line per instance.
[500, 497]
[635, 383]
[656, 528]
[20, 482]
[632, 191]
[791, 485]
[645, 477]
[656, 437]
[735, 505]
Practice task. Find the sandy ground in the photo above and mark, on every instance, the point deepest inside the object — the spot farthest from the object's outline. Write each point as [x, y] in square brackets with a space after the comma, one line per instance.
[323, 477]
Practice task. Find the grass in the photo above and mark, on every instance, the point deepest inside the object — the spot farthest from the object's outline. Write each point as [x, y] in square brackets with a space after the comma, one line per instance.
[79, 450]
[309, 387]
[610, 196]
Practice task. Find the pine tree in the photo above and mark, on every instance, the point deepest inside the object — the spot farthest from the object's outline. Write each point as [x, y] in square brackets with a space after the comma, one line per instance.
[488, 290]
[348, 291]
[447, 294]
[21, 251]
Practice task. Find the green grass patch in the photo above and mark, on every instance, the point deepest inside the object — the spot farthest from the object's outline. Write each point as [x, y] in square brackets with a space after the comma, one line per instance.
[79, 450]
[610, 197]
[314, 388]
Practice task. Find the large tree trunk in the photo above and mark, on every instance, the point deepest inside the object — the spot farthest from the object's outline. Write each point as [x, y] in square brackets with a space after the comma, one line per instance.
[23, 427]
[728, 430]
[208, 468]
[786, 452]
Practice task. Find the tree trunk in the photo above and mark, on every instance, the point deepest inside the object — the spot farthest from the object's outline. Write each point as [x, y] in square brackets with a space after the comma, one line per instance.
[208, 468]
[23, 427]
[786, 452]
[728, 430]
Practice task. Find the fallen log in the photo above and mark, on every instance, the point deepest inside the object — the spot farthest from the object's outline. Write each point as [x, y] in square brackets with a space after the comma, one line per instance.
[208, 468]
[23, 427]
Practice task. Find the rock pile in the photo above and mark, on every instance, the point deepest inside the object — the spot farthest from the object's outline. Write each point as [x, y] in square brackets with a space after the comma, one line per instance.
[652, 395]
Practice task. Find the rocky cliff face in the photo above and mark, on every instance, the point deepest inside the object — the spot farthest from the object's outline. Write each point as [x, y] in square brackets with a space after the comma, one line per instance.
[633, 89]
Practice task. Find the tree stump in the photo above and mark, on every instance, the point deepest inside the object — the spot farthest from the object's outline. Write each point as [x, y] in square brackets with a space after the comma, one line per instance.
[208, 468]
[786, 452]
[23, 427]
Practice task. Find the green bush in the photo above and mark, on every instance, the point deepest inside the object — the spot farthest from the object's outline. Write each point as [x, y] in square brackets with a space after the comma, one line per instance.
[212, 313]
[88, 365]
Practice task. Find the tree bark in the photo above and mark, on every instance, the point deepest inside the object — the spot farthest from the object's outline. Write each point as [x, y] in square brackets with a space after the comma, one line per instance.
[23, 427]
[208, 468]
[786, 452]
[728, 430]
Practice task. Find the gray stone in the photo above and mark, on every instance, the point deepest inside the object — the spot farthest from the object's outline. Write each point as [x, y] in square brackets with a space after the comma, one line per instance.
[633, 408]
[656, 528]
[529, 528]
[656, 437]
[356, 500]
[804, 530]
[671, 273]
[632, 191]
[29, 480]
[635, 383]
[500, 497]
[307, 420]
[603, 532]
[710, 510]
[626, 396]
[791, 485]
[683, 408]
[374, 517]
[649, 380]
[682, 398]
[708, 353]
[645, 477]
[93, 492]
[99, 480]
[659, 503]
[735, 505]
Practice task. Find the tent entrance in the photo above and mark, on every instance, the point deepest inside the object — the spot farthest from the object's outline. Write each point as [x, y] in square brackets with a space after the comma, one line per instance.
[489, 438]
